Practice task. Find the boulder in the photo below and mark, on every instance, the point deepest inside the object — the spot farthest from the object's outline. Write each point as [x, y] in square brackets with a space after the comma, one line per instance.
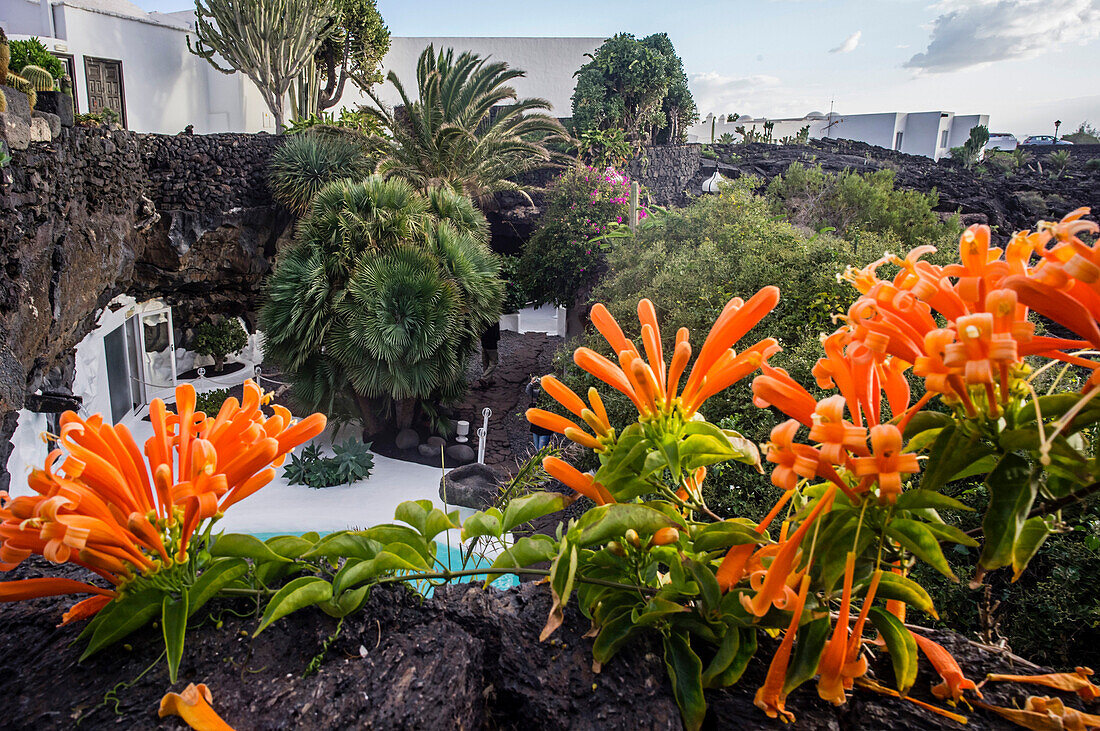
[14, 131]
[406, 439]
[436, 442]
[52, 120]
[427, 450]
[471, 486]
[18, 103]
[461, 453]
[57, 103]
[40, 130]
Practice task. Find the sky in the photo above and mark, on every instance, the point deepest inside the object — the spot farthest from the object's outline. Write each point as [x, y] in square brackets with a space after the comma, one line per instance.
[1025, 63]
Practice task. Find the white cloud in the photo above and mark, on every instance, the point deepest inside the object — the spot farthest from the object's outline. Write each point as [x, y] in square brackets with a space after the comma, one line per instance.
[971, 32]
[849, 43]
[756, 94]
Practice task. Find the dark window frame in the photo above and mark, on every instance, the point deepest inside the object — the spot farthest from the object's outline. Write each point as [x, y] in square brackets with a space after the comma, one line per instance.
[70, 67]
[121, 84]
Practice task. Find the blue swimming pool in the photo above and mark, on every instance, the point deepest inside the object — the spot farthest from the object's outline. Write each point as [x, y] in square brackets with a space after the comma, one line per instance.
[449, 556]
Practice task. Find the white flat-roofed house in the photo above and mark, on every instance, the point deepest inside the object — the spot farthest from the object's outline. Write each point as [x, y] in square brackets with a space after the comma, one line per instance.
[931, 134]
[137, 63]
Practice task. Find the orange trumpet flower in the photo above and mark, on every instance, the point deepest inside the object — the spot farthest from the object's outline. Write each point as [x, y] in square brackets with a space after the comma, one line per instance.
[103, 507]
[770, 698]
[954, 682]
[193, 706]
[570, 476]
[1076, 682]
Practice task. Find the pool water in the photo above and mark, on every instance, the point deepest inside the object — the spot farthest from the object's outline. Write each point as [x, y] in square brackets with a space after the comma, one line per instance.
[449, 556]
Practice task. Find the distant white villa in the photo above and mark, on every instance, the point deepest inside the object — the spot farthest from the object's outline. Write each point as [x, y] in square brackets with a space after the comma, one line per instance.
[137, 63]
[931, 134]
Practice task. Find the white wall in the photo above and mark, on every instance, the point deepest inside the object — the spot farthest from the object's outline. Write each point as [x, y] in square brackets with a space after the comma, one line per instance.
[549, 62]
[874, 129]
[961, 126]
[29, 17]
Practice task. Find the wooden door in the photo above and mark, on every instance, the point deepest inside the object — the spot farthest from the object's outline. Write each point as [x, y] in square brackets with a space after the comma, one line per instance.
[105, 89]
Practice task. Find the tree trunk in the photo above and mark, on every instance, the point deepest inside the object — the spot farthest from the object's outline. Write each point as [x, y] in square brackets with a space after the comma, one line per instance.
[371, 423]
[404, 408]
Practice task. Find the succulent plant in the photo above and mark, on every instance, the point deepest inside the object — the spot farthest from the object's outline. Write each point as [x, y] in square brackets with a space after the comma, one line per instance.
[20, 84]
[38, 77]
[65, 83]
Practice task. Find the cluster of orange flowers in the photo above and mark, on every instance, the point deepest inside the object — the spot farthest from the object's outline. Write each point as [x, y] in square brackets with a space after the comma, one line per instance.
[101, 507]
[651, 384]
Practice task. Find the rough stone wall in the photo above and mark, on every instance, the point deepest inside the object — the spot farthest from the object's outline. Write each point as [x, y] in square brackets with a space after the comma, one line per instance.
[666, 171]
[98, 213]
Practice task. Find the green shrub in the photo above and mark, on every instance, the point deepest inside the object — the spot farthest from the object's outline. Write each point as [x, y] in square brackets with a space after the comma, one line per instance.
[1000, 162]
[218, 340]
[1093, 165]
[210, 402]
[351, 462]
[854, 204]
[516, 294]
[969, 151]
[560, 264]
[32, 52]
[308, 161]
[722, 246]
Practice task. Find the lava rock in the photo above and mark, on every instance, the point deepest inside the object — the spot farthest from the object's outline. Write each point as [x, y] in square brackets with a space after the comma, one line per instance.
[52, 120]
[18, 103]
[461, 453]
[57, 103]
[471, 486]
[40, 130]
[427, 450]
[406, 439]
[436, 442]
[14, 131]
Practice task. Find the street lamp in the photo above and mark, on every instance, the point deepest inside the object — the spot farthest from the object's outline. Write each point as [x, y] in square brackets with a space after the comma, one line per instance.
[1057, 124]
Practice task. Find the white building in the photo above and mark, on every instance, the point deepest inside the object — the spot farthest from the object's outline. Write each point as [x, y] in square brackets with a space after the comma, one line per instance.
[931, 134]
[137, 63]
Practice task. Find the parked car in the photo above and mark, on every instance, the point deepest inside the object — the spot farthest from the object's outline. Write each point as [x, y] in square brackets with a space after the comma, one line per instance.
[1001, 141]
[1044, 140]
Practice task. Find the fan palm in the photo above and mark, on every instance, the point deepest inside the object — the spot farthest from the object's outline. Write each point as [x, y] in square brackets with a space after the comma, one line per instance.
[462, 132]
[382, 298]
[306, 162]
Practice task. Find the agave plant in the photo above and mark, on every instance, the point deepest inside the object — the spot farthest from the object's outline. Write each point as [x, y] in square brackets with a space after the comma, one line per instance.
[468, 129]
[382, 299]
[307, 162]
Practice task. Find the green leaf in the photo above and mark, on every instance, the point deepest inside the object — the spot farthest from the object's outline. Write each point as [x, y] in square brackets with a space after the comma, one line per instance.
[745, 650]
[733, 532]
[903, 589]
[289, 546]
[723, 658]
[914, 499]
[657, 609]
[977, 467]
[614, 633]
[924, 421]
[241, 545]
[527, 551]
[429, 521]
[608, 522]
[1012, 490]
[212, 580]
[952, 452]
[685, 670]
[809, 644]
[346, 603]
[344, 544]
[709, 590]
[1051, 407]
[527, 508]
[700, 450]
[302, 592]
[902, 647]
[1032, 535]
[173, 619]
[127, 615]
[484, 523]
[944, 532]
[916, 538]
[398, 557]
[388, 533]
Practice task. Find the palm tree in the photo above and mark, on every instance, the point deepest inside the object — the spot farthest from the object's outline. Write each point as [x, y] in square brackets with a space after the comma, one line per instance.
[461, 131]
[308, 161]
[380, 302]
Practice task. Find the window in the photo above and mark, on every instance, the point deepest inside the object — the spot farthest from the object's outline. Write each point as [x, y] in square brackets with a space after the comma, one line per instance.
[897, 141]
[70, 69]
[943, 139]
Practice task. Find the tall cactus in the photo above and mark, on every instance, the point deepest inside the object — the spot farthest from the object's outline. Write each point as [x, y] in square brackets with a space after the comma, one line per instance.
[38, 77]
[268, 40]
[5, 56]
[20, 84]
